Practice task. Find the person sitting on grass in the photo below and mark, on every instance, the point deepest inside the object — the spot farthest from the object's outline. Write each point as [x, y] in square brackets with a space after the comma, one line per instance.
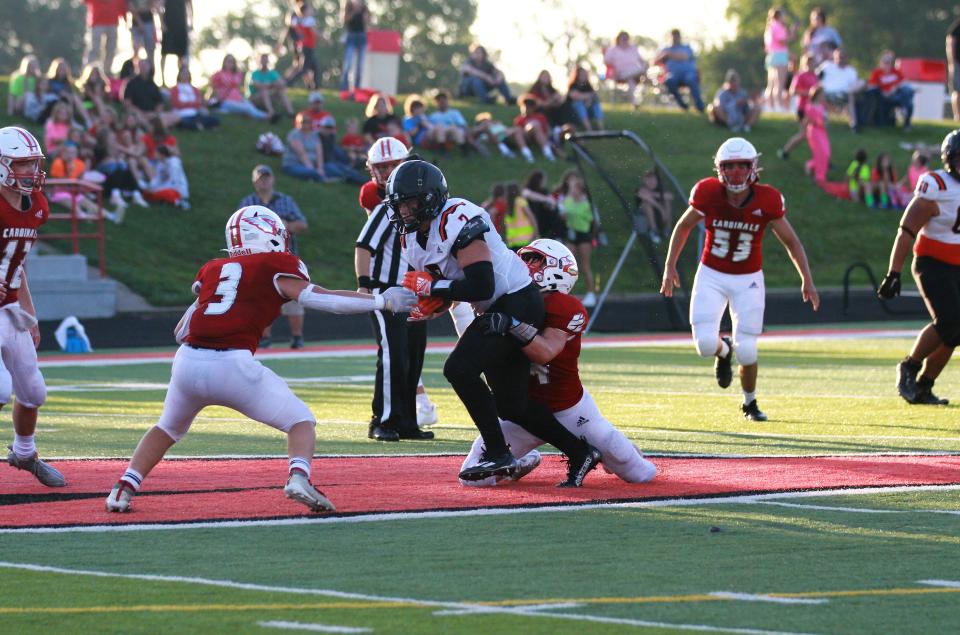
[303, 155]
[417, 126]
[858, 179]
[536, 129]
[732, 106]
[266, 85]
[486, 129]
[169, 183]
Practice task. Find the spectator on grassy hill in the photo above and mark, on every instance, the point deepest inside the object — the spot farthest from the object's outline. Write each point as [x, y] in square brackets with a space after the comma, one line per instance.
[858, 179]
[303, 155]
[353, 142]
[69, 165]
[681, 67]
[488, 130]
[496, 205]
[886, 82]
[536, 129]
[800, 87]
[94, 89]
[379, 113]
[169, 183]
[479, 76]
[819, 40]
[577, 213]
[118, 179]
[188, 103]
[227, 88]
[919, 165]
[57, 127]
[776, 36]
[584, 100]
[295, 223]
[336, 162]
[519, 224]
[61, 86]
[543, 205]
[883, 180]
[624, 59]
[841, 84]
[266, 85]
[953, 66]
[655, 203]
[315, 110]
[302, 26]
[177, 23]
[732, 106]
[23, 89]
[553, 105]
[141, 94]
[451, 120]
[132, 148]
[158, 135]
[417, 126]
[356, 20]
[815, 130]
[143, 28]
[101, 37]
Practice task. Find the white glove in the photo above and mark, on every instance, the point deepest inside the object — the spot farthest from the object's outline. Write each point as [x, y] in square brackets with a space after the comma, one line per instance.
[398, 300]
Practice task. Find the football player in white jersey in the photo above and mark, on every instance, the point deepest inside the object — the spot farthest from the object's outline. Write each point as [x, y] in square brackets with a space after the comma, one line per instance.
[456, 255]
[931, 220]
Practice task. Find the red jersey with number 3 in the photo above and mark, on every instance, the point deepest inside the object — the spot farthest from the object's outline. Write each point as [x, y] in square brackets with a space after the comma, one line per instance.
[734, 234]
[557, 385]
[238, 297]
[18, 232]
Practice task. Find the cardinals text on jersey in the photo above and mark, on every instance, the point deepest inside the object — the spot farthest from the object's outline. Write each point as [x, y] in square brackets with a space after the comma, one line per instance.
[436, 254]
[940, 237]
[734, 234]
[237, 298]
[557, 385]
[18, 233]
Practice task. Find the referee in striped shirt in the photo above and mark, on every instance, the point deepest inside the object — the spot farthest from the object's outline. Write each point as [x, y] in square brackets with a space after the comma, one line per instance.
[379, 265]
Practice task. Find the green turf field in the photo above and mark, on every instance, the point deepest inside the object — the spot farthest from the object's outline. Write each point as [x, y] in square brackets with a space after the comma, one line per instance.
[856, 563]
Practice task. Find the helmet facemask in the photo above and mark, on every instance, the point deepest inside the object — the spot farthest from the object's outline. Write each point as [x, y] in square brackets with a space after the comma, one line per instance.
[23, 176]
[737, 175]
[552, 266]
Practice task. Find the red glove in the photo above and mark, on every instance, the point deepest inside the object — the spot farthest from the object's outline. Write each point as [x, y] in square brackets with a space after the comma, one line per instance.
[427, 309]
[419, 282]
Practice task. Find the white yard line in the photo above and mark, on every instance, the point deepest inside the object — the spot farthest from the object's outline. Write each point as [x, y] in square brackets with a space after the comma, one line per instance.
[949, 584]
[530, 607]
[463, 606]
[313, 628]
[752, 597]
[484, 511]
[860, 510]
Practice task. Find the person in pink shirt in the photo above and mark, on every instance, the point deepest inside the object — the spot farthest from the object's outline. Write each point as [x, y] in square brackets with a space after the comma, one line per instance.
[815, 127]
[775, 38]
[57, 128]
[624, 59]
[919, 165]
[227, 87]
[803, 82]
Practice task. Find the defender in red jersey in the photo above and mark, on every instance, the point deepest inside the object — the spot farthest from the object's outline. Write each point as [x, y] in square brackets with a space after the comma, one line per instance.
[555, 376]
[736, 211]
[23, 209]
[236, 297]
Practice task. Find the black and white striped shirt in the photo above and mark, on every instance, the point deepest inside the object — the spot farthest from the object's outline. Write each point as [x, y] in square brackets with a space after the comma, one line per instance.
[382, 240]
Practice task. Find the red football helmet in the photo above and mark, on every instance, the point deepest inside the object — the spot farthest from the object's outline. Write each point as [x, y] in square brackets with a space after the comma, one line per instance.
[21, 161]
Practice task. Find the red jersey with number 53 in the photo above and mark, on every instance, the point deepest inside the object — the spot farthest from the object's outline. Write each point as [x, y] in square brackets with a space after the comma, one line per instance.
[734, 234]
[238, 297]
[557, 385]
[18, 232]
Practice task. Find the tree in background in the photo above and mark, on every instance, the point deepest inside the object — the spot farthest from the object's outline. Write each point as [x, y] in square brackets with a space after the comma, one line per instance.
[45, 28]
[436, 36]
[911, 28]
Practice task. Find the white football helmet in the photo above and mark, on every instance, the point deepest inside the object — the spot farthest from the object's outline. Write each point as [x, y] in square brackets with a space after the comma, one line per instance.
[384, 155]
[254, 230]
[552, 266]
[21, 161]
[737, 150]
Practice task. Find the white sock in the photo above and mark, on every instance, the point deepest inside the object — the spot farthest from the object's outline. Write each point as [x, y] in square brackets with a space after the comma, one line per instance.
[748, 397]
[527, 154]
[724, 349]
[504, 150]
[24, 446]
[133, 477]
[300, 463]
[547, 152]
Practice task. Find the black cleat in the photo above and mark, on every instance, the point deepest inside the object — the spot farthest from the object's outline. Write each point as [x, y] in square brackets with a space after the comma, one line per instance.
[503, 465]
[723, 367]
[752, 411]
[924, 394]
[296, 341]
[416, 434]
[382, 433]
[907, 380]
[577, 469]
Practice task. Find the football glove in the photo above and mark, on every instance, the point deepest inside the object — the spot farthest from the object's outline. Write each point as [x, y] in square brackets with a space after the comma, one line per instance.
[426, 309]
[398, 300]
[890, 286]
[503, 324]
[420, 282]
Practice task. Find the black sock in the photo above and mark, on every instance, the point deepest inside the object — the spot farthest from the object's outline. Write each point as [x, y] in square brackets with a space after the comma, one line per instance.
[908, 361]
[924, 382]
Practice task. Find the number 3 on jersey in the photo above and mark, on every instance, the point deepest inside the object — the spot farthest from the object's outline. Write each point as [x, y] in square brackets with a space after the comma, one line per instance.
[721, 245]
[10, 255]
[227, 289]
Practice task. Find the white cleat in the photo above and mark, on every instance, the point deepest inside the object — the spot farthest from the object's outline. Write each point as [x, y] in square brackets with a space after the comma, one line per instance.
[120, 497]
[525, 464]
[427, 416]
[300, 489]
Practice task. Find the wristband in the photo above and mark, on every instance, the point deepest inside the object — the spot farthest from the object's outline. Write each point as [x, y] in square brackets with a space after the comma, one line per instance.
[365, 282]
[522, 331]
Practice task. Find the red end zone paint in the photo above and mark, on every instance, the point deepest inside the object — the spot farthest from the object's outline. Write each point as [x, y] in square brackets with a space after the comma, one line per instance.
[186, 491]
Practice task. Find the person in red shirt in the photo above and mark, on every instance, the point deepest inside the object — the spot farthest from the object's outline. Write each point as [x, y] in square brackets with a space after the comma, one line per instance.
[736, 210]
[101, 41]
[887, 80]
[315, 110]
[23, 209]
[237, 297]
[536, 129]
[555, 376]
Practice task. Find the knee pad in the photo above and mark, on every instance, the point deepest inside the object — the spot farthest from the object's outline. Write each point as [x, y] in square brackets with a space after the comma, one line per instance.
[949, 332]
[705, 339]
[32, 392]
[746, 346]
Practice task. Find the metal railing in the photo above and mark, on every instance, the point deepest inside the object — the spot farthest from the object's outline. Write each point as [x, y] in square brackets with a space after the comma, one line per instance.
[77, 188]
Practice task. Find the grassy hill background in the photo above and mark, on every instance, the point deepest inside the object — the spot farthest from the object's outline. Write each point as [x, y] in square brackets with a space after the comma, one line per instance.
[157, 251]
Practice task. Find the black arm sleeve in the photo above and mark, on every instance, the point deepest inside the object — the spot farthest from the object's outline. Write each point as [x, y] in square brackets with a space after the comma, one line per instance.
[476, 286]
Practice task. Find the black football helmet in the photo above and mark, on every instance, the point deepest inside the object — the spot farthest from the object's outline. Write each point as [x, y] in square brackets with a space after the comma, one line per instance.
[950, 153]
[420, 181]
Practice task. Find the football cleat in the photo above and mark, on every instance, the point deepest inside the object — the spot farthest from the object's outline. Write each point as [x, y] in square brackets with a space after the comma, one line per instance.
[503, 465]
[752, 411]
[577, 469]
[416, 434]
[723, 366]
[45, 473]
[427, 416]
[120, 497]
[907, 380]
[525, 464]
[925, 397]
[380, 432]
[299, 488]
